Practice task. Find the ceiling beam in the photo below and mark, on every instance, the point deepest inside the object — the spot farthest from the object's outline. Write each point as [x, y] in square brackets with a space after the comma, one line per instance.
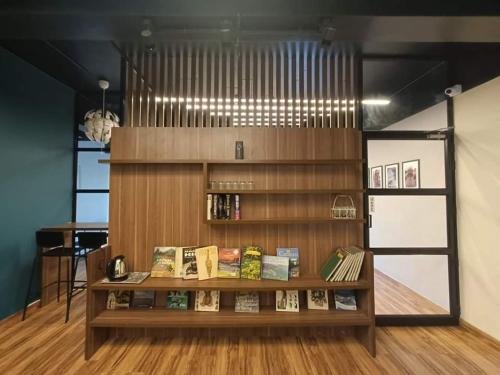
[381, 29]
[278, 8]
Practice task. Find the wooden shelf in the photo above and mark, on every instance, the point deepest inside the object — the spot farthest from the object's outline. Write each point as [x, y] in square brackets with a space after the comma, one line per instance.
[289, 162]
[221, 162]
[150, 161]
[229, 285]
[294, 220]
[285, 191]
[180, 181]
[141, 318]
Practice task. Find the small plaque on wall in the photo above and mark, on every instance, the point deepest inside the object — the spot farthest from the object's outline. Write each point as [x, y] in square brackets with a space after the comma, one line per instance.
[238, 150]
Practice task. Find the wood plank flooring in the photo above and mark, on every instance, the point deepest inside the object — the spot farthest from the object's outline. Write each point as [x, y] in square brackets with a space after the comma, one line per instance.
[392, 297]
[43, 344]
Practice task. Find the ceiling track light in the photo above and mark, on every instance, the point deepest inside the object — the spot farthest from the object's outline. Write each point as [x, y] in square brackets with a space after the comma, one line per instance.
[147, 29]
[226, 26]
[327, 31]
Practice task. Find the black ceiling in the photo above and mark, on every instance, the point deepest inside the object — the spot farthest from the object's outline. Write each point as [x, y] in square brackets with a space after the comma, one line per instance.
[77, 41]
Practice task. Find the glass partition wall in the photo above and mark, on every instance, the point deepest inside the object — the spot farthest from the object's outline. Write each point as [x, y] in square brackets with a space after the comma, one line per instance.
[408, 145]
[91, 180]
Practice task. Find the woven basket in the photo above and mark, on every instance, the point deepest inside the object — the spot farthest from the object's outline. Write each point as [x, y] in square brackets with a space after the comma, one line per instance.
[343, 208]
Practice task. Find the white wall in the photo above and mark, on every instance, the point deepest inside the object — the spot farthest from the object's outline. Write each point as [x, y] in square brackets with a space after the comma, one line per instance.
[432, 118]
[477, 129]
[402, 221]
[425, 274]
[399, 221]
[430, 154]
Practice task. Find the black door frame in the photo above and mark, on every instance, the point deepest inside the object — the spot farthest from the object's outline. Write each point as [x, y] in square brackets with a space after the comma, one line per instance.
[451, 251]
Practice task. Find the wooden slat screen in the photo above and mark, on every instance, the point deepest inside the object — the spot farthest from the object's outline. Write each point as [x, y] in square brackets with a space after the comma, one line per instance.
[294, 84]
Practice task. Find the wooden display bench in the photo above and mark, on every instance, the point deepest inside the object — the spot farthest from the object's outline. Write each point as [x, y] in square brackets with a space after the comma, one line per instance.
[100, 321]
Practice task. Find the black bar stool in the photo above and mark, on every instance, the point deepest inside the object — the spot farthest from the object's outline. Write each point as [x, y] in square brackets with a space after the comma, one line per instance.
[49, 244]
[86, 242]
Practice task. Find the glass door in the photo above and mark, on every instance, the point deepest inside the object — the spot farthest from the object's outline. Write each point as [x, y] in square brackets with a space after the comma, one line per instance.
[410, 200]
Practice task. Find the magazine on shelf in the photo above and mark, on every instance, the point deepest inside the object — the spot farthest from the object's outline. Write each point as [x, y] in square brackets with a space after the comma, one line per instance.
[207, 260]
[118, 299]
[247, 302]
[229, 263]
[251, 262]
[317, 299]
[144, 299]
[345, 300]
[132, 278]
[163, 262]
[177, 300]
[189, 267]
[287, 300]
[293, 254]
[275, 267]
[207, 300]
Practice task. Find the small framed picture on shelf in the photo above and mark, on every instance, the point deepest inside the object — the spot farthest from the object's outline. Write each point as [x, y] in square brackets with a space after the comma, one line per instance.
[376, 178]
[411, 174]
[392, 176]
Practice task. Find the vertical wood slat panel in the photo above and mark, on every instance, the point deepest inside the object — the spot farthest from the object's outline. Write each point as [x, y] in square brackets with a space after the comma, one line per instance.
[251, 96]
[174, 92]
[220, 94]
[243, 94]
[147, 89]
[139, 84]
[188, 98]
[131, 88]
[168, 84]
[205, 113]
[258, 102]
[180, 82]
[228, 95]
[236, 93]
[298, 84]
[313, 115]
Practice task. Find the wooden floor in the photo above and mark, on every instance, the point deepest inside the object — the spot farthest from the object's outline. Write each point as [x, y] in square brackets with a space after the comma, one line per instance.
[392, 297]
[43, 344]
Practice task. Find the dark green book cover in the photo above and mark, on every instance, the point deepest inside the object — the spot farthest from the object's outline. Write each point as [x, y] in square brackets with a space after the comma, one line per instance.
[333, 261]
[177, 300]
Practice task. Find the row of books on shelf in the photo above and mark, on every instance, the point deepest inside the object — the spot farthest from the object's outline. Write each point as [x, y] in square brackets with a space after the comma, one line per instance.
[223, 207]
[209, 262]
[344, 264]
[209, 300]
[250, 262]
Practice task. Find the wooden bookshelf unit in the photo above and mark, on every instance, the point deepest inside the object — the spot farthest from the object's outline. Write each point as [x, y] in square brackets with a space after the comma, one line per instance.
[159, 181]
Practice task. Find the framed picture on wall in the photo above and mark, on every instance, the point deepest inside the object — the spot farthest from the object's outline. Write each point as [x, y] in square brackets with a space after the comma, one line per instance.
[376, 178]
[411, 174]
[392, 176]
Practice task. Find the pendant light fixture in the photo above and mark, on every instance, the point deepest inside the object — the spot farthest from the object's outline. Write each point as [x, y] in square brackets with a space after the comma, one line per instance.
[99, 122]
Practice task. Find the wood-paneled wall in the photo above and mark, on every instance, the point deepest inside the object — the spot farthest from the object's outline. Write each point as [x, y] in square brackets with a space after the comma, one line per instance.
[154, 205]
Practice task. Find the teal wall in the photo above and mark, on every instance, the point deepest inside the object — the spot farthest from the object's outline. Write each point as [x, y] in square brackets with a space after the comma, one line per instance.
[36, 130]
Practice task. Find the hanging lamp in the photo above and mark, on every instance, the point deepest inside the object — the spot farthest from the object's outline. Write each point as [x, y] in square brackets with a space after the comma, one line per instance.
[99, 122]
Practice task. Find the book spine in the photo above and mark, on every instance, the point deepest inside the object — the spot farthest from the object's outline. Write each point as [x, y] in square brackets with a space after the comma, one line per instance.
[237, 214]
[214, 206]
[228, 207]
[209, 206]
[220, 207]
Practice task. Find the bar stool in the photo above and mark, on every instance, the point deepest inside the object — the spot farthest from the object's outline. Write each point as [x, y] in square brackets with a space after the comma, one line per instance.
[49, 244]
[86, 242]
